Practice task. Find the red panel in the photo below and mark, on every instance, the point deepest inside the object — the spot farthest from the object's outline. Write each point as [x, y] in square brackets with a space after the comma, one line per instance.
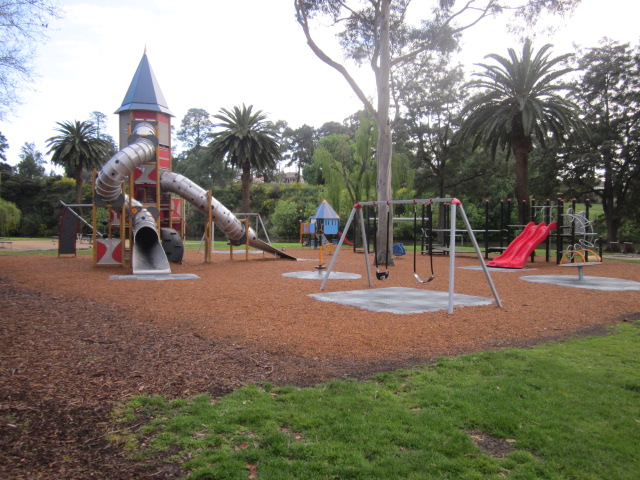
[101, 250]
[164, 118]
[143, 114]
[117, 253]
[146, 175]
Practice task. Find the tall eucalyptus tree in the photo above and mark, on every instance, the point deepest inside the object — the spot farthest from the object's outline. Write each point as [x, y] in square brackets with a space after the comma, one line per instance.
[378, 33]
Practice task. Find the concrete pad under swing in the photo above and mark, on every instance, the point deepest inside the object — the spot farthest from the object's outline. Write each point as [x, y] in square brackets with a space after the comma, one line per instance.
[320, 275]
[400, 300]
[172, 276]
[592, 283]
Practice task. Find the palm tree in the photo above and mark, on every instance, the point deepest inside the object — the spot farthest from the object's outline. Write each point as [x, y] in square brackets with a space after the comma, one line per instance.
[247, 141]
[522, 98]
[78, 147]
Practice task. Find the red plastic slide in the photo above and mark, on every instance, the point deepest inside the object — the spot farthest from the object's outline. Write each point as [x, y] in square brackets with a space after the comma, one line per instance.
[524, 244]
[346, 241]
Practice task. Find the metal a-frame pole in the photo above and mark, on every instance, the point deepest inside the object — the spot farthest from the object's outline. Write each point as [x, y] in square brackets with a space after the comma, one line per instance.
[365, 244]
[480, 257]
[452, 256]
[356, 208]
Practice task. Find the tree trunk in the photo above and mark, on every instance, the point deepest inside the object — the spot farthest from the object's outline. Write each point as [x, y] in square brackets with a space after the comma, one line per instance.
[442, 193]
[384, 235]
[612, 220]
[521, 145]
[79, 183]
[246, 185]
[522, 177]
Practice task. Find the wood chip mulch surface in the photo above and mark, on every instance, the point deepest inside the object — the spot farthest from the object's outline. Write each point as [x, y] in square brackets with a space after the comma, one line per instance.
[74, 344]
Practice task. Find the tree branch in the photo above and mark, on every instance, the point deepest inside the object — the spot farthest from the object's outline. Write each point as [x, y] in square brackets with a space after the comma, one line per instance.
[483, 12]
[303, 21]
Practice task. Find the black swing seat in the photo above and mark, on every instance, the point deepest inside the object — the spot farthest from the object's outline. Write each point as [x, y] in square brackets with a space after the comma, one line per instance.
[431, 278]
[382, 275]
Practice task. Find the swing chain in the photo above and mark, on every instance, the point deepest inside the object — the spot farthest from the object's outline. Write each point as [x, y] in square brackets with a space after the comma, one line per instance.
[415, 247]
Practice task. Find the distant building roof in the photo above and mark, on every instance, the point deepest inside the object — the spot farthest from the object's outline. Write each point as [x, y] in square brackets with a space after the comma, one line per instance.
[144, 92]
[325, 210]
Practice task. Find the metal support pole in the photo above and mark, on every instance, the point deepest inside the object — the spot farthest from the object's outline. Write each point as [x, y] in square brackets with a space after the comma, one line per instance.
[335, 255]
[356, 208]
[547, 219]
[264, 229]
[366, 249]
[560, 230]
[486, 229]
[479, 254]
[532, 217]
[503, 227]
[509, 215]
[452, 257]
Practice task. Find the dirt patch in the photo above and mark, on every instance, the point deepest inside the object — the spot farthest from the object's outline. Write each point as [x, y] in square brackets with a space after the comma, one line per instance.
[73, 344]
[490, 445]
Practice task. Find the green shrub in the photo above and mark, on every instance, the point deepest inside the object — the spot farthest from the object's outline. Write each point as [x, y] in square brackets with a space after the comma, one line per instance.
[286, 220]
[9, 218]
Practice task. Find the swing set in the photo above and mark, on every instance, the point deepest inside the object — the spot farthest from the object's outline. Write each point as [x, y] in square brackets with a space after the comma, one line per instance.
[384, 275]
[381, 275]
[454, 205]
[415, 247]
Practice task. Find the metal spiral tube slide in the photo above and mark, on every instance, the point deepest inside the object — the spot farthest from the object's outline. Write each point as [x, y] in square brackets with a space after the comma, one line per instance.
[222, 217]
[148, 256]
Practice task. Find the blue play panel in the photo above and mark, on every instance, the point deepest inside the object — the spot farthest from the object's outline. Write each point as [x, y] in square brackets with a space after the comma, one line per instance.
[400, 300]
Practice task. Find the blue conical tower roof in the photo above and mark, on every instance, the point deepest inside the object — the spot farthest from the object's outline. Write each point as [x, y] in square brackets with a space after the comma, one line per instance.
[325, 211]
[144, 92]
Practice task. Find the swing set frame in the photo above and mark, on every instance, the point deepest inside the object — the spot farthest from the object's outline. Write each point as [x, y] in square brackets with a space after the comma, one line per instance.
[455, 205]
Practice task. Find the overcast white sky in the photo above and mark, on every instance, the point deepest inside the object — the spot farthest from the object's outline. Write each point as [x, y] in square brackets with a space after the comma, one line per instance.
[221, 53]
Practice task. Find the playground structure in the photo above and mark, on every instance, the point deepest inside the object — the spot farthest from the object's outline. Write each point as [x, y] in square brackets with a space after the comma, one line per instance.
[144, 198]
[208, 237]
[324, 222]
[69, 231]
[516, 254]
[454, 205]
[574, 230]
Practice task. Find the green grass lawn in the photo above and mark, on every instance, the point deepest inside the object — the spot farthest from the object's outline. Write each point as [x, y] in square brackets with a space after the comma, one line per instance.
[560, 411]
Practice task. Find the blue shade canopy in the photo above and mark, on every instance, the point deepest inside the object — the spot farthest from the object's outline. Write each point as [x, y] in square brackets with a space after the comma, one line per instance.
[325, 211]
[144, 92]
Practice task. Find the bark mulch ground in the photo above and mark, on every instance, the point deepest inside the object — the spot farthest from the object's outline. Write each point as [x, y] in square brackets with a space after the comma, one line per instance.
[74, 344]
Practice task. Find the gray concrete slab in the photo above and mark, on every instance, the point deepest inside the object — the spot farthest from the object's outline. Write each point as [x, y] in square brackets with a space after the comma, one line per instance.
[321, 274]
[171, 276]
[400, 300]
[593, 283]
